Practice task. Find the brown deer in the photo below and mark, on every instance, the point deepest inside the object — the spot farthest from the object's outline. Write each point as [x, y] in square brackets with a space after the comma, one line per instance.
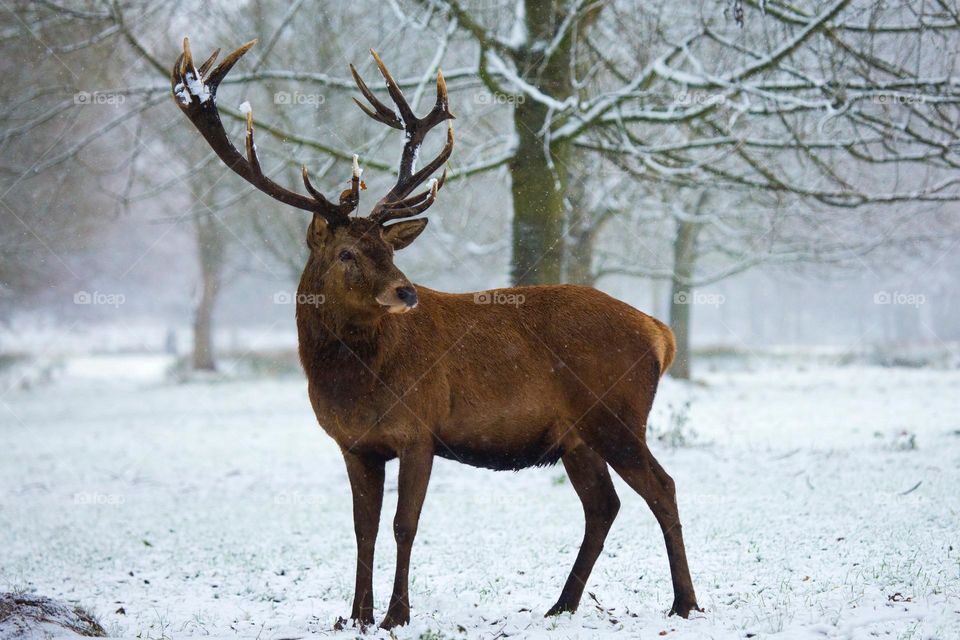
[402, 371]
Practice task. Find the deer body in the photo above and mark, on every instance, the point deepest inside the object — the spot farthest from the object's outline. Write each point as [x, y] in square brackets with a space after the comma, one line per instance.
[397, 371]
[492, 385]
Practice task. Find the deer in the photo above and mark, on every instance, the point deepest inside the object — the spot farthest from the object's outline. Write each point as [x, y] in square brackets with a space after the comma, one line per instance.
[400, 371]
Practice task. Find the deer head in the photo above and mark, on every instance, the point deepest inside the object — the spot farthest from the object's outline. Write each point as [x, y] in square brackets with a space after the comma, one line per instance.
[351, 257]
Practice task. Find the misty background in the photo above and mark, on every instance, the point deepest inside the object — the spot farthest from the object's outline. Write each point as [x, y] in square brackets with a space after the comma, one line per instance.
[760, 175]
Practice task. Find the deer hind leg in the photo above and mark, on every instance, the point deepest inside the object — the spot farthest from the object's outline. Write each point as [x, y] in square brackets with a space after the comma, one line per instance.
[618, 434]
[656, 487]
[591, 480]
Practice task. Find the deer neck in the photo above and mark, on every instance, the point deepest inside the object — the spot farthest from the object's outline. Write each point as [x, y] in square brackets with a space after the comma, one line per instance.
[326, 327]
[345, 363]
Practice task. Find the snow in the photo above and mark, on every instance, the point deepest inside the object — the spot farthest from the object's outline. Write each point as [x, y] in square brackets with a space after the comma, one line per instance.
[182, 95]
[416, 157]
[518, 32]
[499, 66]
[357, 171]
[245, 107]
[219, 507]
[196, 86]
[24, 617]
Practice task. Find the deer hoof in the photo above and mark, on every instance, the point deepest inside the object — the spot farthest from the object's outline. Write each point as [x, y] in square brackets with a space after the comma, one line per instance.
[559, 608]
[683, 606]
[395, 620]
[363, 620]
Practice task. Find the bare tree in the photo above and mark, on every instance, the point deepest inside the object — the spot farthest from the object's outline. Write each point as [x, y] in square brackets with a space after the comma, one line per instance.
[828, 108]
[47, 218]
[804, 126]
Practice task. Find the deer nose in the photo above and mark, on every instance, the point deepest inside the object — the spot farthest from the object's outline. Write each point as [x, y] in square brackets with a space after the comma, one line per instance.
[408, 295]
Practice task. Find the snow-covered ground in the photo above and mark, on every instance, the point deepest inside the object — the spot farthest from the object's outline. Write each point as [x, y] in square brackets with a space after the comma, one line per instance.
[817, 503]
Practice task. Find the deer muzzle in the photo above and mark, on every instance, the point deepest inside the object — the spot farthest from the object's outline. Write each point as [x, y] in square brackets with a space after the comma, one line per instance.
[398, 298]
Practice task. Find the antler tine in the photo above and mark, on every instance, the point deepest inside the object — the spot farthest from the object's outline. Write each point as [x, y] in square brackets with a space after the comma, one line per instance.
[252, 158]
[441, 110]
[209, 63]
[350, 198]
[218, 74]
[195, 93]
[412, 200]
[412, 206]
[383, 113]
[406, 113]
[396, 201]
[187, 54]
[385, 216]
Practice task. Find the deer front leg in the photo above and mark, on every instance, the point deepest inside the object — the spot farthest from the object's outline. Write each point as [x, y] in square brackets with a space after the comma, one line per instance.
[366, 482]
[415, 466]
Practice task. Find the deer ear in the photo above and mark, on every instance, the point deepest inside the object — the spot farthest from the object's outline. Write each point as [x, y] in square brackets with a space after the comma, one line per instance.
[318, 232]
[401, 234]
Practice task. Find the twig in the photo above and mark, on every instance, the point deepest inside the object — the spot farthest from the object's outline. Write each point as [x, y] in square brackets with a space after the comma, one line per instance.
[912, 489]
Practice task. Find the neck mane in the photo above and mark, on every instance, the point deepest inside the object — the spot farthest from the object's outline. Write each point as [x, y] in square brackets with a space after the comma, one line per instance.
[333, 339]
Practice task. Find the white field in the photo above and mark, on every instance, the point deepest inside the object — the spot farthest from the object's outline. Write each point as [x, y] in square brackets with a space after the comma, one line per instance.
[221, 508]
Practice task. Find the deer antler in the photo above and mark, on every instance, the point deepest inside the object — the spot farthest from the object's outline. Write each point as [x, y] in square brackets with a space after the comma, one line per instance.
[396, 204]
[195, 92]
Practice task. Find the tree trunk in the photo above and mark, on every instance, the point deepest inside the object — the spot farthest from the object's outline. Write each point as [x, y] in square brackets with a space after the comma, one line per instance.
[656, 298]
[583, 225]
[539, 173]
[203, 325]
[538, 245]
[580, 260]
[210, 250]
[681, 291]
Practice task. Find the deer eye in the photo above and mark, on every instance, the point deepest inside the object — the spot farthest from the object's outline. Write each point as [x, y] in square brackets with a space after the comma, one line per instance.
[346, 255]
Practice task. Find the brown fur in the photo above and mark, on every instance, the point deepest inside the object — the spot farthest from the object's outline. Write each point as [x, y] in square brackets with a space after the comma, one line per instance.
[491, 381]
[504, 379]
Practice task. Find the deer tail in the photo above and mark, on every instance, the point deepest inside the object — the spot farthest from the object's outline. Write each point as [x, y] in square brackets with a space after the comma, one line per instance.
[668, 347]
